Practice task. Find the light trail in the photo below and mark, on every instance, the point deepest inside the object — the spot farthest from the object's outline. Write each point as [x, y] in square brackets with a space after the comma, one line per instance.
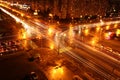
[26, 26]
[88, 47]
[32, 27]
[85, 63]
[31, 30]
[94, 67]
[101, 23]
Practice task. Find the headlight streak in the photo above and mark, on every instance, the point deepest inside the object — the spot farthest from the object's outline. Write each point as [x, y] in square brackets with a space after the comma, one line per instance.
[26, 26]
[30, 30]
[85, 63]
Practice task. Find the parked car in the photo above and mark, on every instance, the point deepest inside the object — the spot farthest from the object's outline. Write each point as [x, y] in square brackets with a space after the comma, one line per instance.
[34, 75]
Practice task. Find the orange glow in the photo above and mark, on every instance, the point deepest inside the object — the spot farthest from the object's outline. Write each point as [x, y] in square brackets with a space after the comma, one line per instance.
[106, 35]
[57, 72]
[22, 15]
[51, 15]
[38, 36]
[94, 41]
[51, 46]
[107, 27]
[101, 21]
[115, 26]
[28, 16]
[25, 44]
[86, 31]
[50, 31]
[22, 34]
[98, 29]
[71, 34]
[70, 31]
[118, 32]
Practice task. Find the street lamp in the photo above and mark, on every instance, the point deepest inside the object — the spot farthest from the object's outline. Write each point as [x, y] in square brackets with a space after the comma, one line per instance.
[22, 14]
[23, 36]
[98, 28]
[51, 46]
[118, 32]
[86, 31]
[115, 26]
[51, 16]
[50, 30]
[94, 41]
[107, 27]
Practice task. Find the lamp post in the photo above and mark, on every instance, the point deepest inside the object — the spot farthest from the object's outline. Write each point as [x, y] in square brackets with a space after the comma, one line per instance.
[51, 17]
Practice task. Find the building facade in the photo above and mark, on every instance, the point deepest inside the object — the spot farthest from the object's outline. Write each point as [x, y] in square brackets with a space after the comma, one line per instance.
[78, 8]
[70, 8]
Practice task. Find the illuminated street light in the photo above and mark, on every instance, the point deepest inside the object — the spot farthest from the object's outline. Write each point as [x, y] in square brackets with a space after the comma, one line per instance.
[50, 31]
[107, 27]
[64, 35]
[86, 31]
[51, 17]
[118, 32]
[94, 41]
[97, 28]
[22, 14]
[52, 45]
[115, 26]
[57, 72]
[22, 34]
[106, 36]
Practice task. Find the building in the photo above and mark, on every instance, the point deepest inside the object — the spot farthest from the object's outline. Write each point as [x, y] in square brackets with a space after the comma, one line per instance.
[78, 8]
[69, 8]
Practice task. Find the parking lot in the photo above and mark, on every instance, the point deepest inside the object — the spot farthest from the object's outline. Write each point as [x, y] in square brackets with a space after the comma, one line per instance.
[8, 47]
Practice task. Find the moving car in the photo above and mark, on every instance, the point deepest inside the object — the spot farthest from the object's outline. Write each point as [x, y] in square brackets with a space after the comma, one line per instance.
[31, 76]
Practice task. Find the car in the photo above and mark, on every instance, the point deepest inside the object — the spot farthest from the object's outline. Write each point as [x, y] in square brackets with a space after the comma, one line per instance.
[34, 75]
[31, 76]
